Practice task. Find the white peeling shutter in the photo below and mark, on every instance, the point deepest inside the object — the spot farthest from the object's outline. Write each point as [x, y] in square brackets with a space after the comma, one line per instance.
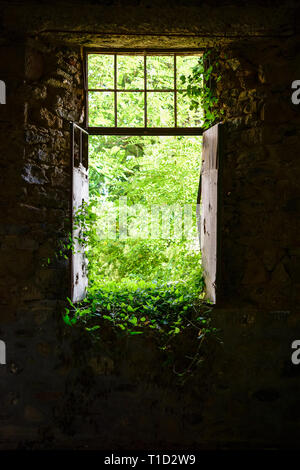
[80, 193]
[209, 209]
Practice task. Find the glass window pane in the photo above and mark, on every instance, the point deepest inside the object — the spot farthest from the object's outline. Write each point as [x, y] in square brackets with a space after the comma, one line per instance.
[185, 116]
[160, 109]
[101, 109]
[100, 71]
[130, 109]
[130, 71]
[184, 66]
[160, 72]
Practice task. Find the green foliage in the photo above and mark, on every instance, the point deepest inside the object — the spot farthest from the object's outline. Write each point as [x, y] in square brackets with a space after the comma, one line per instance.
[199, 89]
[159, 171]
[134, 307]
[147, 170]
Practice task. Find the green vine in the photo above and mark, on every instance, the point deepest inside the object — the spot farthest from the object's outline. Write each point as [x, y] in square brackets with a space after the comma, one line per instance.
[137, 307]
[200, 89]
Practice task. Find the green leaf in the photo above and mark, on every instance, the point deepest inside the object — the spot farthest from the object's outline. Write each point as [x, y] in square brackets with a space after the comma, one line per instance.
[68, 321]
[107, 317]
[93, 328]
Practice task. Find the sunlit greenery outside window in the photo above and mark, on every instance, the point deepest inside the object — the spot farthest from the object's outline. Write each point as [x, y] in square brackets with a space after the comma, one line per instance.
[140, 90]
[151, 173]
[134, 91]
[136, 281]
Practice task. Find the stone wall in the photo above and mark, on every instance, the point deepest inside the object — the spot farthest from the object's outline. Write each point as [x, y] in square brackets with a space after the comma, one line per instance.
[62, 389]
[45, 92]
[260, 191]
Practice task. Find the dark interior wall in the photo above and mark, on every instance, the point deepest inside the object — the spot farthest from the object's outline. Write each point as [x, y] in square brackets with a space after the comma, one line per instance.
[58, 388]
[260, 192]
[44, 92]
[54, 97]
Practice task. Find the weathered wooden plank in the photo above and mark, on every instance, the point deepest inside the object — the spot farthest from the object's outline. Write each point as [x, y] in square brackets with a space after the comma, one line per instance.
[79, 279]
[209, 209]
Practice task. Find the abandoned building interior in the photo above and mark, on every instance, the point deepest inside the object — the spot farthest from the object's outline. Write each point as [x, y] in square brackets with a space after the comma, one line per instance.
[59, 387]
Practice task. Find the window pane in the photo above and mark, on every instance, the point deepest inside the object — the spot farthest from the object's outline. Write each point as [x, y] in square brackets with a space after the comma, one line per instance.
[184, 66]
[185, 116]
[160, 109]
[130, 109]
[100, 71]
[101, 109]
[130, 70]
[160, 72]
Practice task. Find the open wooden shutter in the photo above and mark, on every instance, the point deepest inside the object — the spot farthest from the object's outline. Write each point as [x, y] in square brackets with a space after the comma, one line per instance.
[209, 209]
[79, 193]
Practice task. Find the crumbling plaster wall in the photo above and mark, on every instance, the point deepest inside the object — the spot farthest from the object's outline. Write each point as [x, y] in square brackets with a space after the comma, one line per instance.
[58, 388]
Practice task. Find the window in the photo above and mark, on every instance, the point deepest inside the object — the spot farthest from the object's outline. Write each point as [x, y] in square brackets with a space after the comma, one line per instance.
[142, 94]
[141, 91]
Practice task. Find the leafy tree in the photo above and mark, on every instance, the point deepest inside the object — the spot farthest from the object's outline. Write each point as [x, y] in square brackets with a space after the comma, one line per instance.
[153, 172]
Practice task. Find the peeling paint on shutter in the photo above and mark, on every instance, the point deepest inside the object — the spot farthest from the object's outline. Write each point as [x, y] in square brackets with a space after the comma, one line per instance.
[209, 209]
[80, 193]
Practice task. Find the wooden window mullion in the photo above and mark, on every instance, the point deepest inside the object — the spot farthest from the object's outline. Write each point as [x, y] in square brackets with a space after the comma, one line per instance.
[115, 91]
[175, 92]
[145, 90]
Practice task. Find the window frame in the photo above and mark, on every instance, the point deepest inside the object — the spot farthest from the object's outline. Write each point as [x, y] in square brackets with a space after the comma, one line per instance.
[145, 130]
